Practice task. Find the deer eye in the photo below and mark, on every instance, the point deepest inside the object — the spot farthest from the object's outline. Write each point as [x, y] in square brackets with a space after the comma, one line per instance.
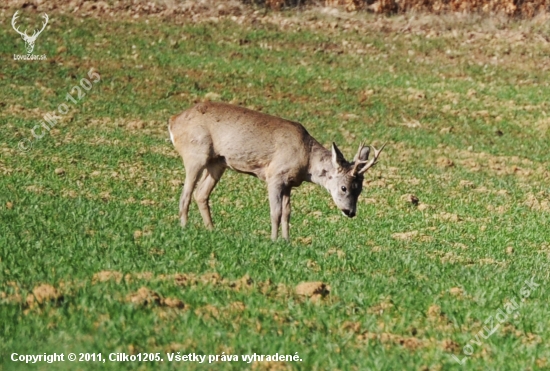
[344, 189]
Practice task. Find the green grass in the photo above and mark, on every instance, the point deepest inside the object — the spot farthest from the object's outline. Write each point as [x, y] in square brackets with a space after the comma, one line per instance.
[393, 304]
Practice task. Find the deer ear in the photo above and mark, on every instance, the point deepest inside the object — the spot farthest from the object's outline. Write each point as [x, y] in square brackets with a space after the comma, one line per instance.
[338, 160]
[362, 154]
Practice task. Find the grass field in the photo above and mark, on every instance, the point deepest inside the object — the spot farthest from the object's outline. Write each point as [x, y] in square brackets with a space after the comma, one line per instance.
[92, 257]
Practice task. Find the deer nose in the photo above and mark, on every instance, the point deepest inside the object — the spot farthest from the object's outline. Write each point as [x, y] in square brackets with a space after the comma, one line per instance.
[349, 213]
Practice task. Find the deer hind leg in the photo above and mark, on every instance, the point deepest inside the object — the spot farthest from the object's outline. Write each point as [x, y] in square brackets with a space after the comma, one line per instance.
[193, 170]
[212, 175]
[276, 192]
[285, 218]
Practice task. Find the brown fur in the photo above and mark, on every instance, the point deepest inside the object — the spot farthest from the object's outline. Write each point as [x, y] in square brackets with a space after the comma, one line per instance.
[211, 137]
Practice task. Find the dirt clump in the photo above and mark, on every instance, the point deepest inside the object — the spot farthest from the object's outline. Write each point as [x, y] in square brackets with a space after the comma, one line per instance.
[537, 202]
[354, 327]
[44, 293]
[210, 278]
[434, 312]
[456, 291]
[466, 184]
[410, 198]
[448, 217]
[244, 283]
[410, 343]
[105, 276]
[444, 162]
[237, 306]
[381, 307]
[313, 290]
[173, 303]
[450, 345]
[146, 297]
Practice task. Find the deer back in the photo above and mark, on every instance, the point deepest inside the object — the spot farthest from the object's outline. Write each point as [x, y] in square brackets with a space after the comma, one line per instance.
[248, 141]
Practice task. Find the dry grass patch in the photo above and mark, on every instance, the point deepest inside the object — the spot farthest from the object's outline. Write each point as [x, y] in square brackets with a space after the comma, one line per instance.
[208, 312]
[405, 236]
[382, 307]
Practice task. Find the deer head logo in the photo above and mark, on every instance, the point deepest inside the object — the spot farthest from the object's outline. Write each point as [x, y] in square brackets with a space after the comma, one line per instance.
[29, 40]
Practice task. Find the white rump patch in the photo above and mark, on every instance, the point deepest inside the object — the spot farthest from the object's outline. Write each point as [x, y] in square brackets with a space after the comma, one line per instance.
[171, 135]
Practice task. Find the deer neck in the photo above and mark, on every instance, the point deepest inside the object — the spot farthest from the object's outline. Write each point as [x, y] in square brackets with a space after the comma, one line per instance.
[320, 164]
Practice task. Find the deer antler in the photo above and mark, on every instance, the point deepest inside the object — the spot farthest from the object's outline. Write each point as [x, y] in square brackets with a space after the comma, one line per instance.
[45, 16]
[357, 162]
[24, 34]
[368, 164]
[13, 19]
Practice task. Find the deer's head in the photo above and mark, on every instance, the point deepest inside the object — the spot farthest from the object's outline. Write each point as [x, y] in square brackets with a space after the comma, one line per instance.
[29, 40]
[345, 179]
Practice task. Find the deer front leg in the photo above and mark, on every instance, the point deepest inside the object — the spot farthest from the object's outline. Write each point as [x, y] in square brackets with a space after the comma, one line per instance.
[285, 219]
[276, 206]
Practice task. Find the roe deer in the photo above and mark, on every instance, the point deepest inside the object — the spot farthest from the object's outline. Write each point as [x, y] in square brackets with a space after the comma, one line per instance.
[211, 137]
